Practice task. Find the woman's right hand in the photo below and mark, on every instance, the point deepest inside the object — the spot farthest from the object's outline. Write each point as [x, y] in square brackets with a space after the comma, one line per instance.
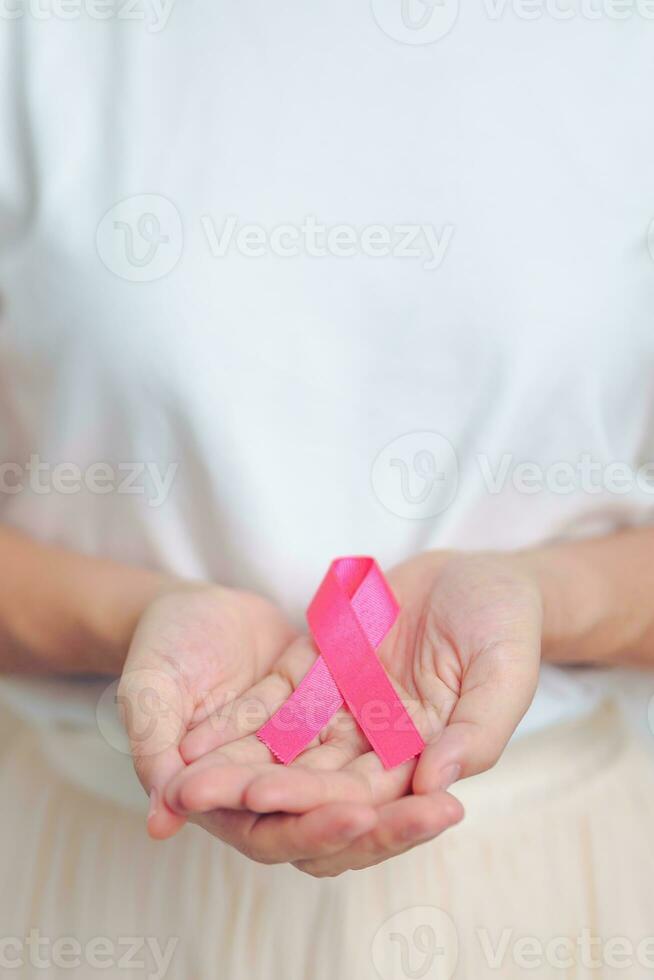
[194, 647]
[199, 648]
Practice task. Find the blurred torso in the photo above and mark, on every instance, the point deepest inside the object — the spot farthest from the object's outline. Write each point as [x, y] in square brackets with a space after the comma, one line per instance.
[266, 386]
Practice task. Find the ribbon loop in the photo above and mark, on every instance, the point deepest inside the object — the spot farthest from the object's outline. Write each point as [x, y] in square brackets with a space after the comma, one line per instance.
[349, 616]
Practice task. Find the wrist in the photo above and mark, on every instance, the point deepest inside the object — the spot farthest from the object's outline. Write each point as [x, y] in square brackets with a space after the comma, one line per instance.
[578, 603]
[118, 598]
[62, 612]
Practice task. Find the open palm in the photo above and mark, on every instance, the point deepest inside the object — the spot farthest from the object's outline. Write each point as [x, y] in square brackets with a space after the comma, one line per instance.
[463, 657]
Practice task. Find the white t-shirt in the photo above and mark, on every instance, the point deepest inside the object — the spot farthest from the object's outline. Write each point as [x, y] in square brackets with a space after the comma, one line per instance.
[380, 282]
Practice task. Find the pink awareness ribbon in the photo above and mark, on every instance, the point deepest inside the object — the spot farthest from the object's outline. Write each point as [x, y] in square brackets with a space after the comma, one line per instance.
[349, 616]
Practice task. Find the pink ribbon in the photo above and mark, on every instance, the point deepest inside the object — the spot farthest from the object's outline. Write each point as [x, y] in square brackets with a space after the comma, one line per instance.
[349, 616]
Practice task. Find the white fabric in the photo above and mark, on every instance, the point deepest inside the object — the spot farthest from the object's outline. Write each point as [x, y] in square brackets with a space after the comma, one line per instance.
[557, 842]
[273, 383]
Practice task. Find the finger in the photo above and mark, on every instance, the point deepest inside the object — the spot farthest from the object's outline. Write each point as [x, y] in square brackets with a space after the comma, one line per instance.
[216, 782]
[296, 789]
[245, 715]
[154, 708]
[219, 780]
[243, 776]
[496, 693]
[242, 716]
[281, 838]
[402, 825]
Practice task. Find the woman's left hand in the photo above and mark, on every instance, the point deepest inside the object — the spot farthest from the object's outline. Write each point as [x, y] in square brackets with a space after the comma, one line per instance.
[464, 658]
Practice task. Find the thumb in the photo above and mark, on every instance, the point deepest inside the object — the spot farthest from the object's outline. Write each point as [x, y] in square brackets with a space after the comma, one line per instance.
[497, 690]
[155, 710]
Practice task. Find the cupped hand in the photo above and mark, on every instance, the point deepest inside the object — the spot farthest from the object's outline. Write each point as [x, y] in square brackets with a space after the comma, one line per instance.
[464, 658]
[198, 647]
[195, 648]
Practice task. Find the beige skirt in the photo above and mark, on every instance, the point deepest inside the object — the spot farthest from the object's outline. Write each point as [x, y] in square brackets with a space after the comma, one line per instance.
[551, 874]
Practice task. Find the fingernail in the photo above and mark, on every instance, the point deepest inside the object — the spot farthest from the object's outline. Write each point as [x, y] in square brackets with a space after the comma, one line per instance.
[154, 799]
[450, 775]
